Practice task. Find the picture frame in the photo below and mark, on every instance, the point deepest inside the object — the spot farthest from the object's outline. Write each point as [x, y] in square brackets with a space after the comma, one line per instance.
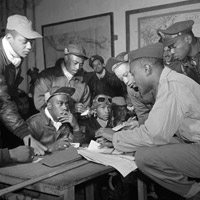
[142, 24]
[94, 33]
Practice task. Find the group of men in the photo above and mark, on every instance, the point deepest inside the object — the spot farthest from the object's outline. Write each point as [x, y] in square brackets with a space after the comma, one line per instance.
[167, 142]
[167, 103]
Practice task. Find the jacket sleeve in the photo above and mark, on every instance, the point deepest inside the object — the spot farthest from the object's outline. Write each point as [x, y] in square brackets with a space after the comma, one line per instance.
[86, 96]
[141, 110]
[5, 158]
[42, 84]
[9, 114]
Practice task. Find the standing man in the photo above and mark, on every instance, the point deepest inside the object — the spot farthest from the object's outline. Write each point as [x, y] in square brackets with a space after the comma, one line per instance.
[185, 48]
[101, 81]
[14, 46]
[176, 110]
[64, 75]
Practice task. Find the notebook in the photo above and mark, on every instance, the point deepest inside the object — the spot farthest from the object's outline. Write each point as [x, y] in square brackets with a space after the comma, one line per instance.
[60, 157]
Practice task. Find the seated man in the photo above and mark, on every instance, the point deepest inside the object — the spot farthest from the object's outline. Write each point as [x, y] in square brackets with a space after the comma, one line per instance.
[56, 126]
[119, 110]
[102, 115]
[25, 105]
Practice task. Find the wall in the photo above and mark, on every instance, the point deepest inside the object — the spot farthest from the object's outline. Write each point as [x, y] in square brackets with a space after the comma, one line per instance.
[51, 11]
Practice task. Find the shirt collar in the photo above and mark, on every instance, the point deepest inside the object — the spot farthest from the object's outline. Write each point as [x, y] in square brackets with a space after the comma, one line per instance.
[102, 122]
[10, 53]
[57, 125]
[66, 73]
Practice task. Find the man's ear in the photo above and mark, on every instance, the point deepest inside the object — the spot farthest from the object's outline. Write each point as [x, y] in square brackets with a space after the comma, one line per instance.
[9, 37]
[148, 69]
[49, 106]
[188, 39]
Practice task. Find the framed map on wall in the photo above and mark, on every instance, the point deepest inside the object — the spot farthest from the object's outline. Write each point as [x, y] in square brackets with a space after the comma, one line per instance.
[142, 25]
[94, 33]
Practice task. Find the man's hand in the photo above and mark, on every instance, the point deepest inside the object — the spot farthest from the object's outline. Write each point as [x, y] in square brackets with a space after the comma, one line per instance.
[22, 154]
[60, 144]
[68, 117]
[106, 133]
[104, 143]
[79, 107]
[39, 149]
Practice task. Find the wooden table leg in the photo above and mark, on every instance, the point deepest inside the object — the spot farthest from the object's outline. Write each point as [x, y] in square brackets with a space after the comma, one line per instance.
[69, 194]
[89, 191]
[142, 190]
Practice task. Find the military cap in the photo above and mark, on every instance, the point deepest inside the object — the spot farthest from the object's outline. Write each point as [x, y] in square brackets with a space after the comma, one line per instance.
[95, 57]
[150, 51]
[173, 32]
[119, 101]
[57, 91]
[76, 50]
[22, 25]
[123, 56]
[111, 63]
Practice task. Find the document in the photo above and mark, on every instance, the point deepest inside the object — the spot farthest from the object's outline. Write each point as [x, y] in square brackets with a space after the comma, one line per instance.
[125, 164]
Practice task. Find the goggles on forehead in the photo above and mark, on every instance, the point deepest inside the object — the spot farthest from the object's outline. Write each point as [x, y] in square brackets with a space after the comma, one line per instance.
[102, 99]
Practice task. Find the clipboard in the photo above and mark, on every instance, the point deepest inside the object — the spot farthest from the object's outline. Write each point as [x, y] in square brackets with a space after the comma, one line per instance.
[60, 157]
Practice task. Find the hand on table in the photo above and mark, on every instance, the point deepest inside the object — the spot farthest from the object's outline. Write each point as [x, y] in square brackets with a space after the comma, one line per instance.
[60, 144]
[104, 143]
[22, 154]
[39, 149]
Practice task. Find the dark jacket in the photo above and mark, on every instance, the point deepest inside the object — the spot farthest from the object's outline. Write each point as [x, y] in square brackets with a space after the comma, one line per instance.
[109, 85]
[9, 115]
[92, 125]
[8, 89]
[45, 132]
[190, 66]
[54, 76]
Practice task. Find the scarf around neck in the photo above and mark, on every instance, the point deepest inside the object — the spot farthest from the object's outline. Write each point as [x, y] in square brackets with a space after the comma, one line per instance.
[12, 56]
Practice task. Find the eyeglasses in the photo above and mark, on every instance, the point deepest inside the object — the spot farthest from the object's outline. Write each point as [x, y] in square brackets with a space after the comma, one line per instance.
[103, 99]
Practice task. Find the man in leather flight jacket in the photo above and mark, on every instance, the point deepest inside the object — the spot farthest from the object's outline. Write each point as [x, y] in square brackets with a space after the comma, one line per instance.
[65, 74]
[14, 46]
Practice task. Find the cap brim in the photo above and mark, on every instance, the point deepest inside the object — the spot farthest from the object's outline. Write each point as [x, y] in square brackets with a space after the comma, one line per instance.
[79, 55]
[65, 90]
[30, 34]
[111, 62]
[169, 42]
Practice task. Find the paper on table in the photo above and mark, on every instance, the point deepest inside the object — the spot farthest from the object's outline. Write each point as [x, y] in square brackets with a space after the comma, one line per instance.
[94, 146]
[123, 165]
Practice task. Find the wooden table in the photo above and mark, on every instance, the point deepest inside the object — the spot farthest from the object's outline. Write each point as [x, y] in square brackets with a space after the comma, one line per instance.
[61, 185]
